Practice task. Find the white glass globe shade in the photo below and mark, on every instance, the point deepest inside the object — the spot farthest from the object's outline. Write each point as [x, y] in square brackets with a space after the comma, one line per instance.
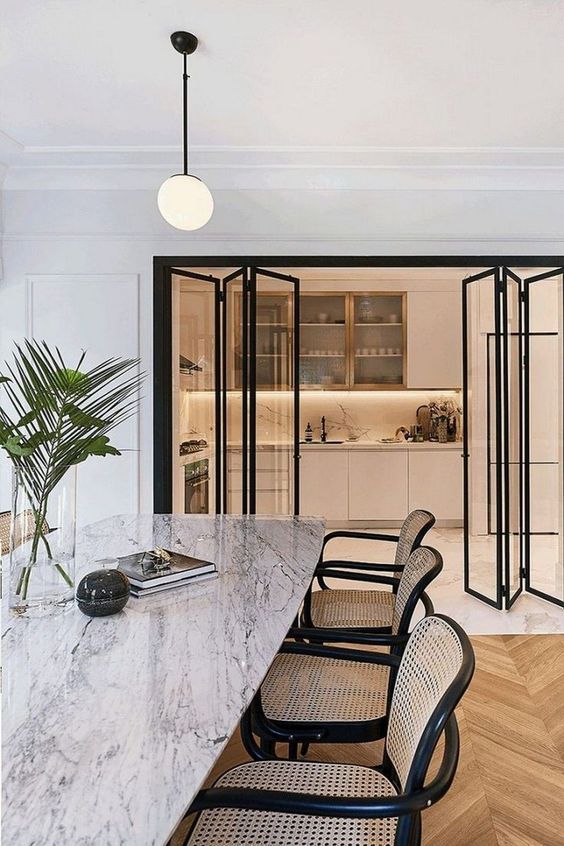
[185, 201]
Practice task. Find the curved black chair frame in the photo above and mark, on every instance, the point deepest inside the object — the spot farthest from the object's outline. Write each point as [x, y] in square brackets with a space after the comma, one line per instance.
[406, 806]
[271, 732]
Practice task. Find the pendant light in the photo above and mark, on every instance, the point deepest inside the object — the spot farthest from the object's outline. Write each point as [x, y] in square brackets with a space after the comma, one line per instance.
[183, 199]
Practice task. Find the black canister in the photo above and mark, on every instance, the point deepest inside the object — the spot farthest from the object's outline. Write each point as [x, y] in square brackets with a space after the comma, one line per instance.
[102, 592]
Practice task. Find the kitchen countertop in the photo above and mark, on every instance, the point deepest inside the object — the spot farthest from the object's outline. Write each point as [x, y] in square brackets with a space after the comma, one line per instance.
[111, 724]
[380, 445]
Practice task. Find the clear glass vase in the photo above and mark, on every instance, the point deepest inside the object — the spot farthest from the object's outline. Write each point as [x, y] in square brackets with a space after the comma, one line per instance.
[42, 545]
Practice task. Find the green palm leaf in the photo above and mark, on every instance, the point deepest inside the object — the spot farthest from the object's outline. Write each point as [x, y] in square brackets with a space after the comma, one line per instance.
[59, 414]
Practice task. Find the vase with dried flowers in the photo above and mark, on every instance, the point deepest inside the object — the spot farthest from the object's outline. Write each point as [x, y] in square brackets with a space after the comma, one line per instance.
[445, 414]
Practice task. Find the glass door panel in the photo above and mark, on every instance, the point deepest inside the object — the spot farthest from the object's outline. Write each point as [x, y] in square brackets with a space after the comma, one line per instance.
[483, 514]
[273, 393]
[378, 340]
[512, 457]
[235, 392]
[323, 341]
[544, 435]
[196, 417]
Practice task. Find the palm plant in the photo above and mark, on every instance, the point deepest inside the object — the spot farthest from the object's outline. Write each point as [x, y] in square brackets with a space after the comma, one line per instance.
[60, 416]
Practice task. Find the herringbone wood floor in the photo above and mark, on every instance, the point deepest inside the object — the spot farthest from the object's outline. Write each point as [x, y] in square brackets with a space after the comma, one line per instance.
[509, 789]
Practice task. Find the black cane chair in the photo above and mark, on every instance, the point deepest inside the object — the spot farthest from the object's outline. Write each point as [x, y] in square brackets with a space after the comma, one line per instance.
[303, 803]
[329, 694]
[363, 610]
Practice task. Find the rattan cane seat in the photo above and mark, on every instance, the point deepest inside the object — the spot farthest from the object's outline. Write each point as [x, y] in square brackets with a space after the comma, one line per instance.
[310, 688]
[236, 827]
[352, 609]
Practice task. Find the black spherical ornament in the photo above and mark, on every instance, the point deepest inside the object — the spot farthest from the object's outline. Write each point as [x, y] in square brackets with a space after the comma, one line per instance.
[102, 592]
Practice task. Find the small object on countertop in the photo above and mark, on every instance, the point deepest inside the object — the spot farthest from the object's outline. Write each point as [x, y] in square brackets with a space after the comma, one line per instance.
[402, 433]
[308, 433]
[323, 436]
[102, 592]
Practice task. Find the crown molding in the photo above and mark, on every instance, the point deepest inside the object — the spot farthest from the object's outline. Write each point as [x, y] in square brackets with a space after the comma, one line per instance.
[284, 156]
[556, 241]
[286, 168]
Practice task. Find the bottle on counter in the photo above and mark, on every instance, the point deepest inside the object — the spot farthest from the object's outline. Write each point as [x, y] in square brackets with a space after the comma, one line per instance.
[308, 434]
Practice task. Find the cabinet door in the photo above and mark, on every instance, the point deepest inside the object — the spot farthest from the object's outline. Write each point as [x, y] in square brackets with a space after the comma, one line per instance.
[434, 340]
[377, 340]
[323, 483]
[435, 482]
[378, 485]
[323, 340]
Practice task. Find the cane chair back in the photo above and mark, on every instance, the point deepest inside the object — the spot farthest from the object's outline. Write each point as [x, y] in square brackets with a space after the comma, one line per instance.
[413, 530]
[421, 567]
[432, 661]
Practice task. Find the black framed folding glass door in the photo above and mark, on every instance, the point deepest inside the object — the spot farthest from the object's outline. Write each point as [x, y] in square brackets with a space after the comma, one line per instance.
[483, 436]
[544, 434]
[274, 398]
[235, 391]
[512, 435]
[260, 392]
[196, 355]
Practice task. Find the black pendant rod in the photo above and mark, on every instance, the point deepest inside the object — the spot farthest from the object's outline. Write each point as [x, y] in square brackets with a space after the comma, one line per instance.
[185, 113]
[185, 43]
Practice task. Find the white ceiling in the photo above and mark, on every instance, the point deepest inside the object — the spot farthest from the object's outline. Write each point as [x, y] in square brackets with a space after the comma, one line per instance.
[291, 73]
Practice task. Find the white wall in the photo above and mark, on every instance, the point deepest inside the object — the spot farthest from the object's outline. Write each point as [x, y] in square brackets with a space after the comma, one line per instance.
[84, 226]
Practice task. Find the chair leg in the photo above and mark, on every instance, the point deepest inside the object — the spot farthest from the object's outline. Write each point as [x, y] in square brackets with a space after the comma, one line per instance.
[305, 747]
[292, 751]
[268, 746]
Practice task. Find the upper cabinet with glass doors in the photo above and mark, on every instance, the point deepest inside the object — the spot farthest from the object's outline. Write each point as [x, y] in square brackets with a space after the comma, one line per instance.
[274, 338]
[347, 341]
[353, 341]
[377, 339]
[324, 361]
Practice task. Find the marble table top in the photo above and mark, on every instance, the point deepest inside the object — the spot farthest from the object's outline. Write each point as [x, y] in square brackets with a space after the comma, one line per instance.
[112, 724]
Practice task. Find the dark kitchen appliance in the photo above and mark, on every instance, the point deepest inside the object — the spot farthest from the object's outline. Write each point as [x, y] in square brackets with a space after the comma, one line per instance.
[193, 445]
[196, 487]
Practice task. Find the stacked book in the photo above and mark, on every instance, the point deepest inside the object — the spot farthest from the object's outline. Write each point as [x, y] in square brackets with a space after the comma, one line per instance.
[160, 569]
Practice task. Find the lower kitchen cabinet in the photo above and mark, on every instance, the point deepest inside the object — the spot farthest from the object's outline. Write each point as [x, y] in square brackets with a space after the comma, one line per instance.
[324, 483]
[378, 485]
[366, 486]
[435, 482]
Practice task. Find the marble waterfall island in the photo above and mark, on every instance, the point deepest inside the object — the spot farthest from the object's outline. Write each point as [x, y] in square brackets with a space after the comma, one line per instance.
[111, 724]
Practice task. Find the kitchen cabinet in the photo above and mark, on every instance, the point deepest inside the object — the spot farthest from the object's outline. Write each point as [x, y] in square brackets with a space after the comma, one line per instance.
[435, 482]
[324, 483]
[434, 339]
[352, 486]
[378, 485]
[324, 360]
[273, 480]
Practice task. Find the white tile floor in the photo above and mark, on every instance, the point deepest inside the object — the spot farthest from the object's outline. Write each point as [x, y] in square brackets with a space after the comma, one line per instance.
[529, 614]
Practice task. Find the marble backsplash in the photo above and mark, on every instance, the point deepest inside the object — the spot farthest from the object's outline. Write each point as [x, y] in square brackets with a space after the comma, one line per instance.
[364, 416]
[349, 415]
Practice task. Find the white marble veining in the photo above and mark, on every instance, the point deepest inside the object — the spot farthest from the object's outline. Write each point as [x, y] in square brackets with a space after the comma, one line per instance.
[365, 416]
[111, 724]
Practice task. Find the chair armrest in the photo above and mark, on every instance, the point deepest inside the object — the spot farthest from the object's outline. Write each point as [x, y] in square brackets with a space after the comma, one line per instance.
[347, 636]
[339, 806]
[344, 533]
[369, 566]
[427, 604]
[354, 577]
[363, 656]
